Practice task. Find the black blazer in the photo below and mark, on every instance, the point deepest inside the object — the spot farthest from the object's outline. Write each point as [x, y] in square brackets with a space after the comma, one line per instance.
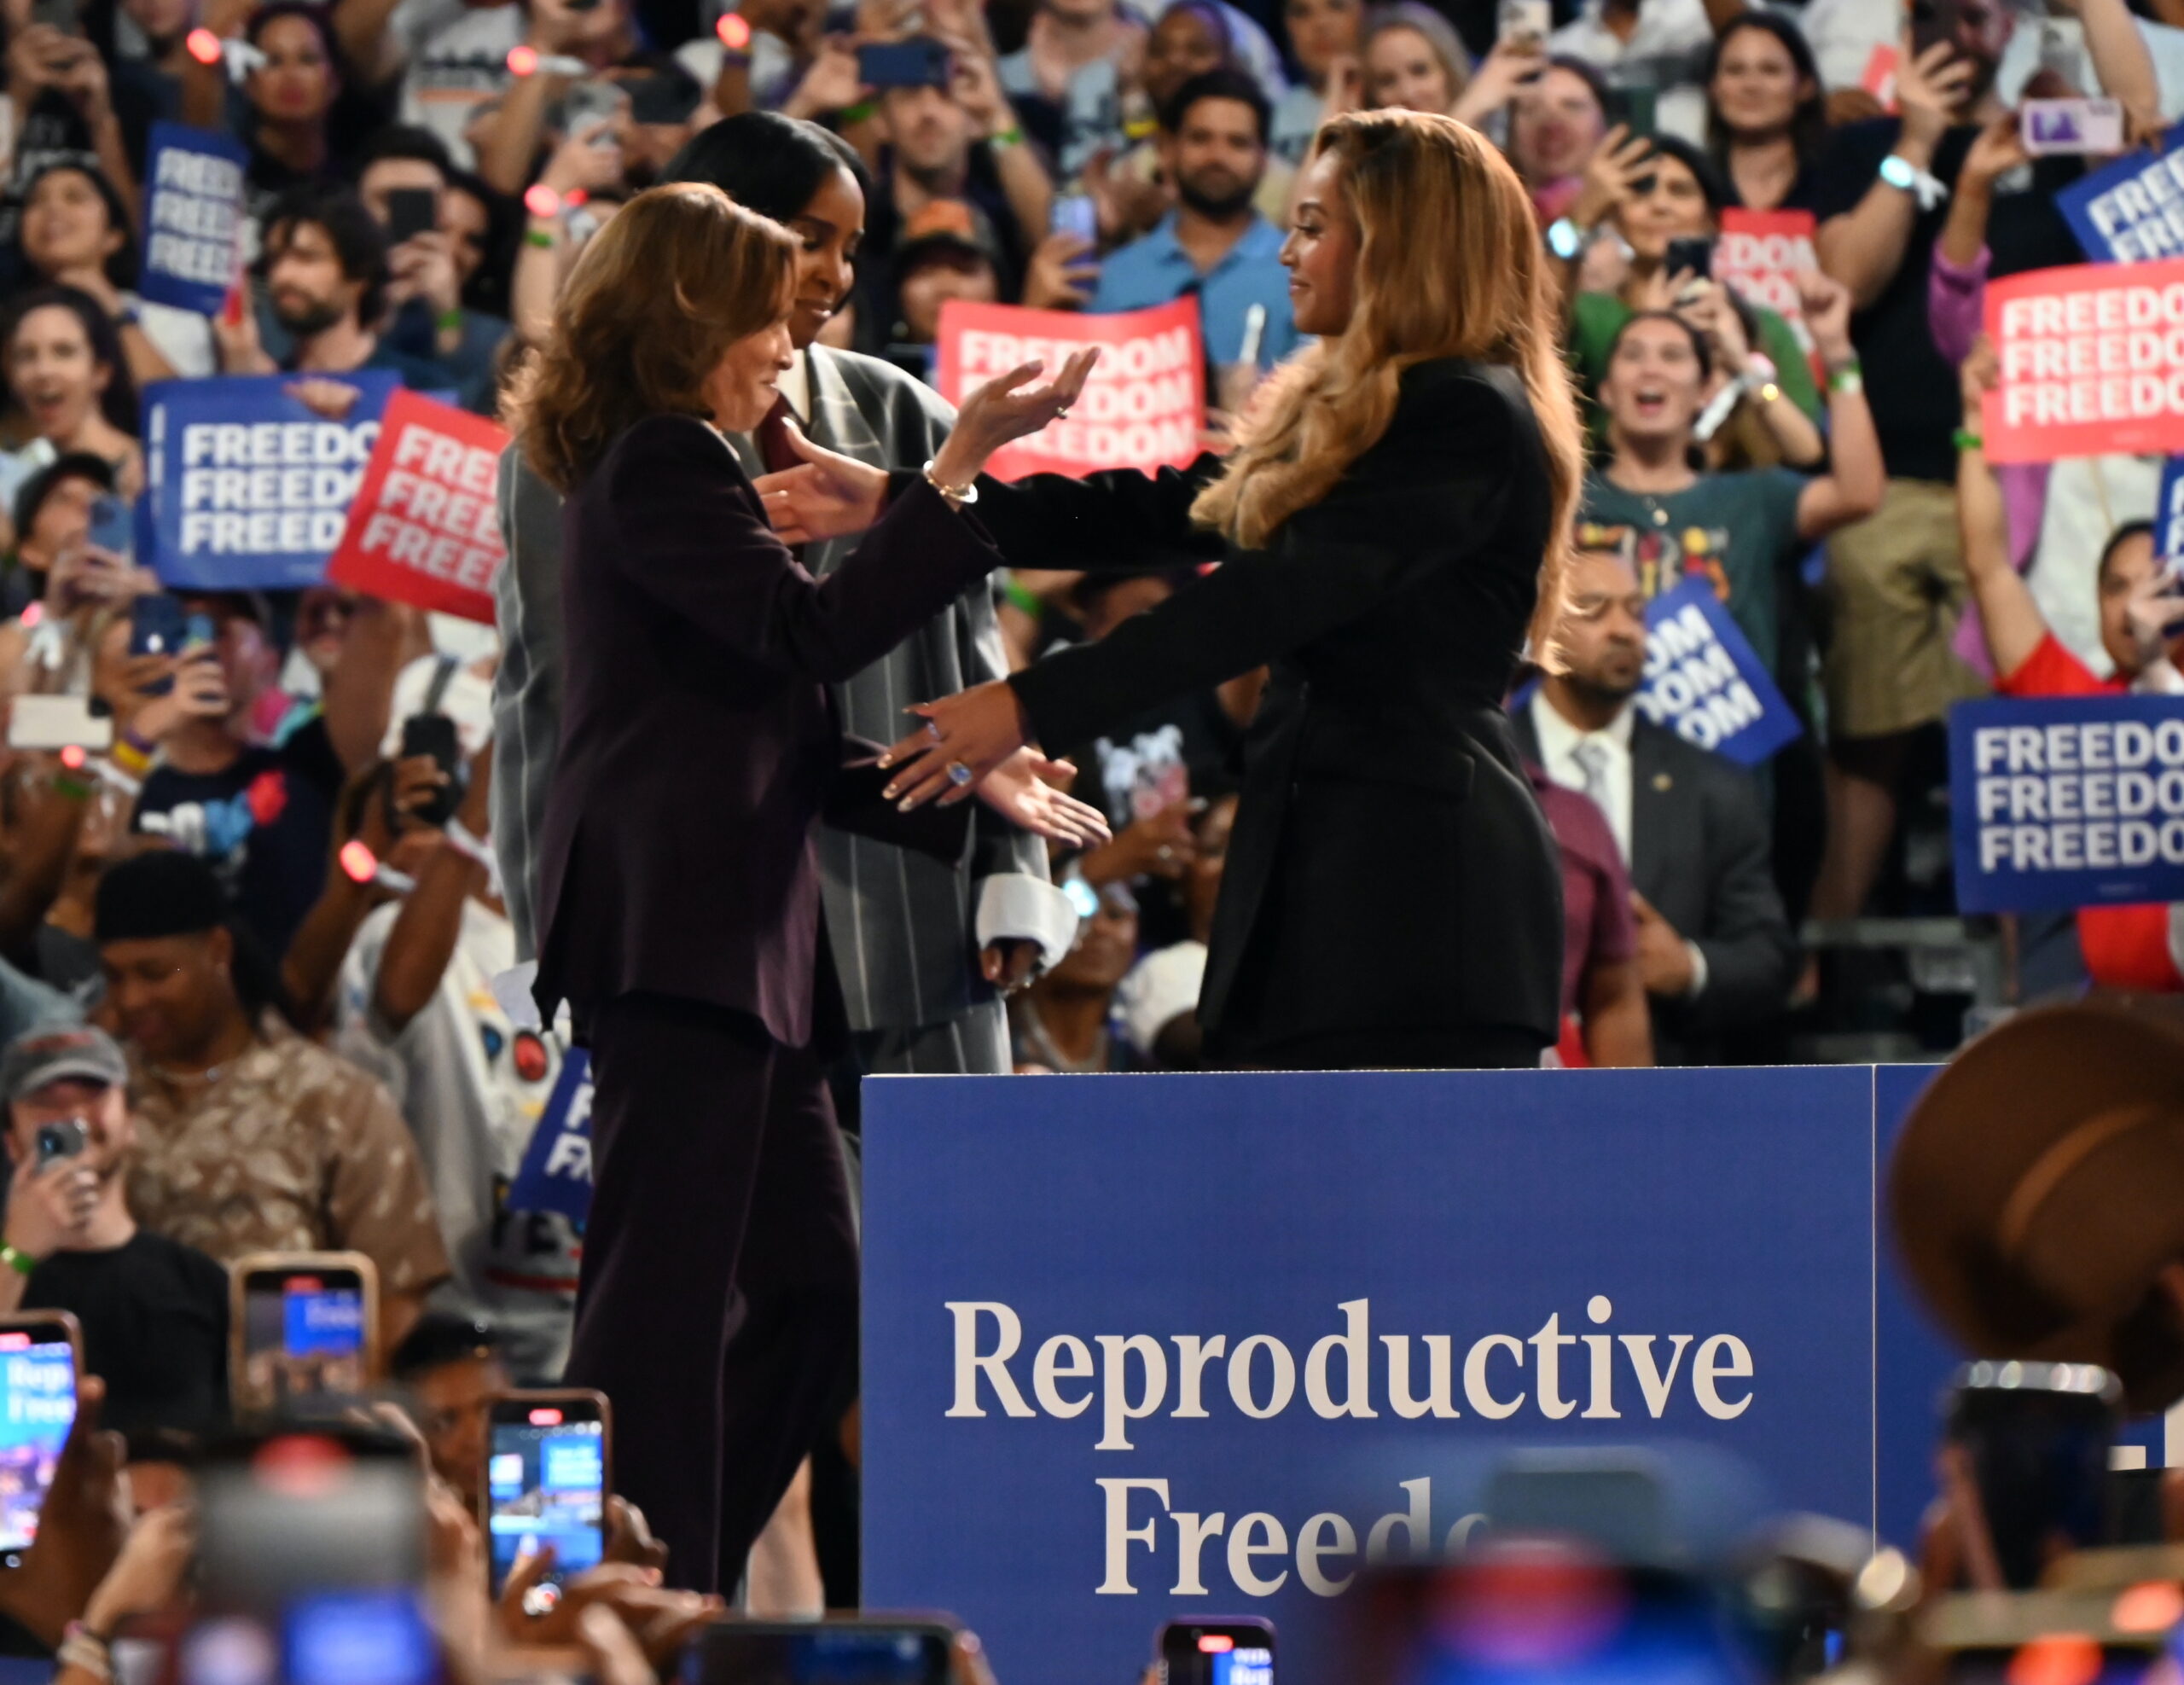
[1389, 868]
[699, 740]
[1698, 847]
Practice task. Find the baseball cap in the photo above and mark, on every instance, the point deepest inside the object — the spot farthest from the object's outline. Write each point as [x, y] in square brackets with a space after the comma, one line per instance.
[945, 226]
[55, 1052]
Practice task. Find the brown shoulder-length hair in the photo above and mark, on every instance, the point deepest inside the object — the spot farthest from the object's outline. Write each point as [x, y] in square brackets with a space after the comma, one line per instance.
[1449, 263]
[675, 277]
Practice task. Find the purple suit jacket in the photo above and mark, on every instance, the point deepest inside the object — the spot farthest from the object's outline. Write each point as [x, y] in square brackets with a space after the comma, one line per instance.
[699, 740]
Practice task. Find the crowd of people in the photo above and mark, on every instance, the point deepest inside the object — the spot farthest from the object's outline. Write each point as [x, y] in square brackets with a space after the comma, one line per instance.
[263, 949]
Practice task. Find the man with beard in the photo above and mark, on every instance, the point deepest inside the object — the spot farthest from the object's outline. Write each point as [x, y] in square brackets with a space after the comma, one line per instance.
[1213, 147]
[326, 273]
[154, 1311]
[1713, 946]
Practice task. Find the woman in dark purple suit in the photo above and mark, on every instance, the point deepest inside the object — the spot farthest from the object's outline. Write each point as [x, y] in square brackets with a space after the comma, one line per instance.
[679, 894]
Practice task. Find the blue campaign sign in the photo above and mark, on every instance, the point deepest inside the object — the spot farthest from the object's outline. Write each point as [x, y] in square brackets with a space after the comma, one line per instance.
[555, 1174]
[193, 215]
[1137, 1348]
[2066, 802]
[2133, 211]
[246, 488]
[2169, 513]
[1706, 683]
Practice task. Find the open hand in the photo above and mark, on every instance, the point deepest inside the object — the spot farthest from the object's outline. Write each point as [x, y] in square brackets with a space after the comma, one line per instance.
[1019, 790]
[964, 737]
[830, 497]
[1005, 408]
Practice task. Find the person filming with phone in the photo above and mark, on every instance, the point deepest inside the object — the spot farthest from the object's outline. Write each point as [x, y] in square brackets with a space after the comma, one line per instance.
[154, 1311]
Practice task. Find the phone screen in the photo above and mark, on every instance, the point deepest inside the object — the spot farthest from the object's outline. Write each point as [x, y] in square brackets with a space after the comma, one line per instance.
[1075, 213]
[37, 1404]
[828, 1653]
[304, 1333]
[546, 1484]
[1203, 1656]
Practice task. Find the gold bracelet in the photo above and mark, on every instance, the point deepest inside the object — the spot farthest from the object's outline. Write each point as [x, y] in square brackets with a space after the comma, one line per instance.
[955, 496]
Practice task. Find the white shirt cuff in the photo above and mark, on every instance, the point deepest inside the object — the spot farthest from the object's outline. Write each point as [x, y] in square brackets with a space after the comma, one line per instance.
[1016, 907]
[1697, 970]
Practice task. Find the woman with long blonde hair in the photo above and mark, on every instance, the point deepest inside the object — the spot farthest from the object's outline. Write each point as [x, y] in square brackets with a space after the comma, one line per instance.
[678, 900]
[1391, 526]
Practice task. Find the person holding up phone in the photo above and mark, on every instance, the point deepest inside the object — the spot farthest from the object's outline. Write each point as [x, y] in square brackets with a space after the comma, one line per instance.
[717, 1309]
[1665, 197]
[153, 1310]
[403, 182]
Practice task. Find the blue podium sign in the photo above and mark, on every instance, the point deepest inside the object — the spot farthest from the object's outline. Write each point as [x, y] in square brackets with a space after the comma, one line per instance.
[1140, 1348]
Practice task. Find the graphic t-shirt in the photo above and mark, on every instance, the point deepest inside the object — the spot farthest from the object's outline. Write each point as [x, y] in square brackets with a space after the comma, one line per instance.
[1737, 531]
[472, 1087]
[264, 821]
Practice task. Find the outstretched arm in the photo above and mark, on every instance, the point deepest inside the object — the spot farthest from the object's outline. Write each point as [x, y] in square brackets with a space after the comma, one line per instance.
[1421, 502]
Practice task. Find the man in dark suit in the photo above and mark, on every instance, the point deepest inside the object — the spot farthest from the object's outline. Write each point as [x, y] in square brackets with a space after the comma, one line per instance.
[909, 935]
[1714, 944]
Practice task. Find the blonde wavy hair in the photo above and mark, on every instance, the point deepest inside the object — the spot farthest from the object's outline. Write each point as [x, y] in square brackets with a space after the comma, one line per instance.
[1448, 264]
[676, 277]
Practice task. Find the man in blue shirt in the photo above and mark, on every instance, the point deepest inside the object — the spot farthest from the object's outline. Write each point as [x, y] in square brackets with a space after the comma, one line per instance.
[1213, 147]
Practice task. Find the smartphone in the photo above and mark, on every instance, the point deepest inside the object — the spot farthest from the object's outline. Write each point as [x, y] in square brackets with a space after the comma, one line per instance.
[50, 723]
[546, 1477]
[41, 1355]
[157, 625]
[61, 15]
[868, 1650]
[1539, 1614]
[1695, 255]
[113, 526]
[303, 1326]
[433, 734]
[1239, 1652]
[410, 211]
[1525, 22]
[1075, 214]
[662, 99]
[2073, 126]
[590, 102]
[2032, 1440]
[1636, 109]
[65, 1140]
[918, 62]
[1934, 22]
[309, 1562]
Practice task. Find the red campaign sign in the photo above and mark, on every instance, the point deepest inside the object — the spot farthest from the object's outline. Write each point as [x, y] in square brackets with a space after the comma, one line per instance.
[1758, 257]
[1879, 79]
[423, 529]
[2093, 362]
[1144, 406]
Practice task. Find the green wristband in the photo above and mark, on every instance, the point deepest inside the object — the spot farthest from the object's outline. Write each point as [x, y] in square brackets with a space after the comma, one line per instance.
[863, 112]
[538, 237]
[449, 320]
[1011, 136]
[17, 1260]
[1020, 595]
[72, 789]
[1965, 440]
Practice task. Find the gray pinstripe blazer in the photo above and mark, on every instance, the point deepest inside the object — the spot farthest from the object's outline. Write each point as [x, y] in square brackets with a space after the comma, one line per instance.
[899, 923]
